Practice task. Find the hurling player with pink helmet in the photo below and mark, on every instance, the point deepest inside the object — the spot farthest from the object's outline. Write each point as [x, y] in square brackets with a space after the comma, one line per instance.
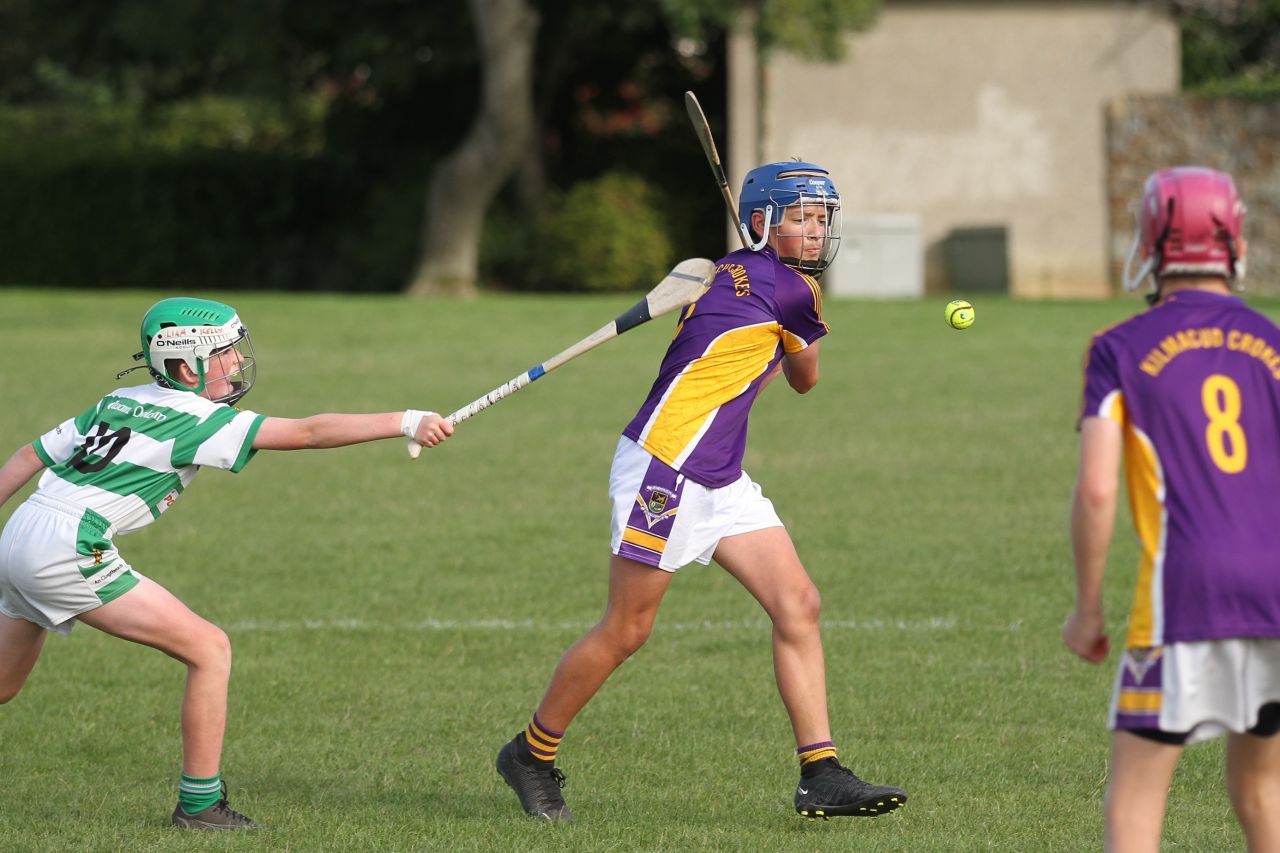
[1188, 393]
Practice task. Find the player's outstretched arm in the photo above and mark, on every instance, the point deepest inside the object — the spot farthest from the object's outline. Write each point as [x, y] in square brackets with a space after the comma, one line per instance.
[1093, 512]
[21, 467]
[339, 430]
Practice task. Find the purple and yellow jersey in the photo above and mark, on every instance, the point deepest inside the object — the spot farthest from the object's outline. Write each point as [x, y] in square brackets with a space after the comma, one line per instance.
[1195, 385]
[695, 418]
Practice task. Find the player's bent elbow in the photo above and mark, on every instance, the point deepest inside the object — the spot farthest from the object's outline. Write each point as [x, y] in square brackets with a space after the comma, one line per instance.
[802, 384]
[1096, 495]
[308, 435]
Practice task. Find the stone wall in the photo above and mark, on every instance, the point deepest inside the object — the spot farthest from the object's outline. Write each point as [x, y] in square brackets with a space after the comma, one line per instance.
[1145, 133]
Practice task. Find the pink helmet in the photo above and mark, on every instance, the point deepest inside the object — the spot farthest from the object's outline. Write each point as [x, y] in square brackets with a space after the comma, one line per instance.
[1189, 223]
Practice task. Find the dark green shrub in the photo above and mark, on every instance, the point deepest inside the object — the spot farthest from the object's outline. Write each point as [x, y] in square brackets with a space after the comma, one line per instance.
[603, 235]
[507, 246]
[213, 193]
[207, 219]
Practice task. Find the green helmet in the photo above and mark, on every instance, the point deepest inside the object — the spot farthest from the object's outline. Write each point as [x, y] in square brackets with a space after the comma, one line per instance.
[193, 330]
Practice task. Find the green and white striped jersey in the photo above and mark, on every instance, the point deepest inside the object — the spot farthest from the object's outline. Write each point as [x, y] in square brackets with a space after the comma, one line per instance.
[130, 456]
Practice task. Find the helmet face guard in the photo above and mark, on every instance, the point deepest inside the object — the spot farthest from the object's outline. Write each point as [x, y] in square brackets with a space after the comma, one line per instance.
[1189, 222]
[208, 338]
[774, 188]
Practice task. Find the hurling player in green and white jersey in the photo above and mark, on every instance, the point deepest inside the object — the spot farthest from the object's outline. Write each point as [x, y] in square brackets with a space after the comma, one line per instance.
[115, 468]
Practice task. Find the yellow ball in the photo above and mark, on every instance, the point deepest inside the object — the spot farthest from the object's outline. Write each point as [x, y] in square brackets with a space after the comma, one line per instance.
[960, 314]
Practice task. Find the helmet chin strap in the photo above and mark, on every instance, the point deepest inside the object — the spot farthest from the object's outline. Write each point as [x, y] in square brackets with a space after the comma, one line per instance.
[1132, 279]
[1237, 263]
[122, 374]
[764, 237]
[1150, 265]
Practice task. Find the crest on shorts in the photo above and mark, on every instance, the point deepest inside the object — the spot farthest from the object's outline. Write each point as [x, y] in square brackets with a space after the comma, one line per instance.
[655, 508]
[1140, 660]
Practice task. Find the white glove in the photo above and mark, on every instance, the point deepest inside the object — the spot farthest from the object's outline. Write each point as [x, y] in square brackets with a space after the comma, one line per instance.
[409, 427]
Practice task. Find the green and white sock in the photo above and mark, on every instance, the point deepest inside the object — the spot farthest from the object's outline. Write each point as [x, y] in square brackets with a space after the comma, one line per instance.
[196, 794]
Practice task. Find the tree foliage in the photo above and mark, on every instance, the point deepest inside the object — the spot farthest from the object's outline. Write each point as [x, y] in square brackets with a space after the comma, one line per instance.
[812, 28]
[138, 50]
[385, 90]
[1230, 47]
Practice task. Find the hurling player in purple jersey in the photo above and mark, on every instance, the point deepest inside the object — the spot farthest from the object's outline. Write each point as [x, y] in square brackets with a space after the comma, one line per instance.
[680, 495]
[1189, 393]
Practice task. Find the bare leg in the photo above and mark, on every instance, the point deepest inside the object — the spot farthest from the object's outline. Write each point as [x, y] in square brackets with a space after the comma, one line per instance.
[766, 563]
[635, 591]
[1253, 780]
[1141, 771]
[20, 645]
[150, 615]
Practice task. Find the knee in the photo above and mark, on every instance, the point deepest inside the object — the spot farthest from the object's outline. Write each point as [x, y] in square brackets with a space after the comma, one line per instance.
[1254, 798]
[800, 611]
[1125, 820]
[212, 650]
[634, 636]
[627, 636]
[220, 648]
[810, 604]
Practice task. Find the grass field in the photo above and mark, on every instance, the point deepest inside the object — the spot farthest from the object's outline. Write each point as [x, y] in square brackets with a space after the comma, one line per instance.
[394, 623]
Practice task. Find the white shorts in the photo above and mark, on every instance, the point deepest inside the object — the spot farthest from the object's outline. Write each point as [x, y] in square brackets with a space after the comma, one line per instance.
[56, 562]
[1202, 689]
[663, 519]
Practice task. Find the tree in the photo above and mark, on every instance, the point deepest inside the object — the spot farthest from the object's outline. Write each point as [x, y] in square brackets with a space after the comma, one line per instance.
[466, 181]
[464, 184]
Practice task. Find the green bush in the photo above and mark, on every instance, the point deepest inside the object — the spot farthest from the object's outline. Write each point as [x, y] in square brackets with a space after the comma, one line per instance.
[235, 193]
[507, 246]
[1261, 88]
[604, 235]
[208, 220]
[61, 132]
[209, 193]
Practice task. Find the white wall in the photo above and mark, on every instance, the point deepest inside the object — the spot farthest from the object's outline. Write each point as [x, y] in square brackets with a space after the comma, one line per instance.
[969, 114]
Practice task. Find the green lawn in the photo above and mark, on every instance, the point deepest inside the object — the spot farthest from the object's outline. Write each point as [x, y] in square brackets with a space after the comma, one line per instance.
[394, 623]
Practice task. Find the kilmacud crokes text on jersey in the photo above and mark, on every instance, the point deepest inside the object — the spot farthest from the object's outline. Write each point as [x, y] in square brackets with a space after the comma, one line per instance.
[1195, 385]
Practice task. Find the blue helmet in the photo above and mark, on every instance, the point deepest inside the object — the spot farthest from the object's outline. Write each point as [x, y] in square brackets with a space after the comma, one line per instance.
[774, 186]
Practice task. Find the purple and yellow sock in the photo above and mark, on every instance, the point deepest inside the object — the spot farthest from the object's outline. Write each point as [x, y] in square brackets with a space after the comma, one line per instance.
[815, 752]
[541, 741]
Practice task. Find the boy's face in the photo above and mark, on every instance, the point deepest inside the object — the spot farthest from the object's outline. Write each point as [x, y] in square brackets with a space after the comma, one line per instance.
[218, 372]
[800, 234]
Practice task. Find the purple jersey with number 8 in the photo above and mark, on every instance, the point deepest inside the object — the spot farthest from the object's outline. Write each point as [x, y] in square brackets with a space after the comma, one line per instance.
[695, 418]
[1195, 385]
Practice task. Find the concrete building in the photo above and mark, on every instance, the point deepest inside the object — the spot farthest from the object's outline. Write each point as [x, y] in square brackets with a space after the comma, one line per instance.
[948, 118]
